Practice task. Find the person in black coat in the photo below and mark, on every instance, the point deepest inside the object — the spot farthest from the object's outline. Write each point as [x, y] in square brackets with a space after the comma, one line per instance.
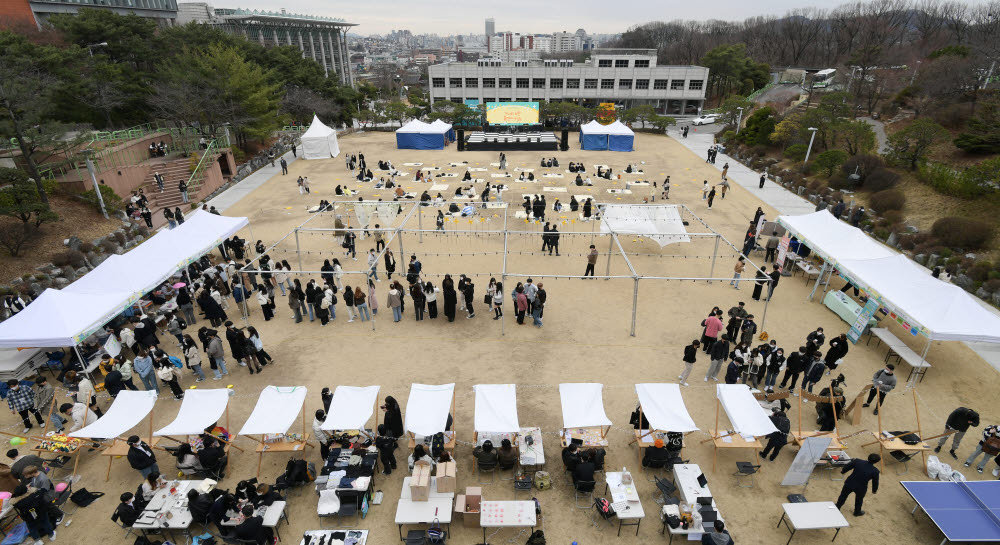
[127, 511]
[450, 297]
[237, 343]
[393, 419]
[140, 456]
[838, 350]
[252, 528]
[470, 293]
[777, 440]
[958, 421]
[733, 370]
[857, 483]
[585, 469]
[690, 352]
[217, 514]
[571, 457]
[199, 505]
[386, 445]
[814, 372]
[212, 309]
[211, 454]
[794, 366]
[114, 383]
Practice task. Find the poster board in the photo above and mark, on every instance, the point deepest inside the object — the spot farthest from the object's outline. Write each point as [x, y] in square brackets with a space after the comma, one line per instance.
[813, 448]
[859, 325]
[782, 252]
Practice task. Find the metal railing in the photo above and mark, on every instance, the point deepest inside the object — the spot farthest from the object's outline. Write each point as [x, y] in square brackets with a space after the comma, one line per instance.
[199, 169]
[131, 133]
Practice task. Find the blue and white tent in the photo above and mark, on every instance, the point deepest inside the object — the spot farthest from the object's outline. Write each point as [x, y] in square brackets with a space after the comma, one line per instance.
[620, 137]
[593, 136]
[419, 135]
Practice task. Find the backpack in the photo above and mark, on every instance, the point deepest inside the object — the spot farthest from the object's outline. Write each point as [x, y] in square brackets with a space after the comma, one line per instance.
[311, 471]
[84, 497]
[542, 480]
[604, 508]
[437, 445]
[537, 538]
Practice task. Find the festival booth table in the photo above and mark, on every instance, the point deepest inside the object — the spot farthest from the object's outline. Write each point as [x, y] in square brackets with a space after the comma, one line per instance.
[507, 514]
[748, 418]
[889, 441]
[427, 411]
[690, 488]
[624, 499]
[662, 405]
[918, 302]
[199, 410]
[130, 408]
[326, 536]
[496, 414]
[437, 507]
[168, 510]
[350, 410]
[584, 419]
[275, 412]
[319, 141]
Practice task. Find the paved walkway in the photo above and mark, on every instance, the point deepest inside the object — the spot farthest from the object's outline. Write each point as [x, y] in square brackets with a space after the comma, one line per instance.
[787, 203]
[231, 196]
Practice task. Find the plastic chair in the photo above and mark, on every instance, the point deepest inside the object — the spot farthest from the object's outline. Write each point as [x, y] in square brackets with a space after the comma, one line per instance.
[487, 467]
[901, 458]
[666, 490]
[415, 537]
[745, 469]
[584, 489]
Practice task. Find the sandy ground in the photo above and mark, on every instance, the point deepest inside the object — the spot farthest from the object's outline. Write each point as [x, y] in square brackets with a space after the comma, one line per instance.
[585, 339]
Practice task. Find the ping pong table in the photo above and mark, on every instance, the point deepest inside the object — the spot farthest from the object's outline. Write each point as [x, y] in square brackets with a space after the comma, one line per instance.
[963, 511]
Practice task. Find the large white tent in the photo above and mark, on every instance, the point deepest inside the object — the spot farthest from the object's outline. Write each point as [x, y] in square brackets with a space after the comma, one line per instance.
[664, 407]
[496, 408]
[583, 405]
[319, 141]
[199, 409]
[66, 317]
[428, 407]
[832, 239]
[276, 410]
[129, 408]
[351, 408]
[661, 223]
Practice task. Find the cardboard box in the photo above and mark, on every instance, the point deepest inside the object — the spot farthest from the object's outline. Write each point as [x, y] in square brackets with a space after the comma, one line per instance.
[446, 481]
[420, 482]
[473, 499]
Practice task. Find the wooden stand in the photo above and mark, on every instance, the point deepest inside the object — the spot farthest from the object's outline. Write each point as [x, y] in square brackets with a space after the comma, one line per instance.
[854, 409]
[282, 446]
[895, 443]
[800, 436]
[736, 440]
[450, 445]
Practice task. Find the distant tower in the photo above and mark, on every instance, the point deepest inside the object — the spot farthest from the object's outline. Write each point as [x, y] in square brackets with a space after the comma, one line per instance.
[490, 28]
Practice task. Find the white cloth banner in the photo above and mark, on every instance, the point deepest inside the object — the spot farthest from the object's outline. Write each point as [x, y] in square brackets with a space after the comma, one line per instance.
[496, 408]
[129, 408]
[661, 223]
[745, 414]
[582, 405]
[427, 408]
[351, 408]
[276, 410]
[199, 409]
[664, 407]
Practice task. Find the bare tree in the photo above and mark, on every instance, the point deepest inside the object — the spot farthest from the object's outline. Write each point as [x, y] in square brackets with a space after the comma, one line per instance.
[956, 18]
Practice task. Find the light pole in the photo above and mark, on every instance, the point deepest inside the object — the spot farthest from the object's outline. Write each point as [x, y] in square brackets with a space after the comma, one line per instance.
[93, 179]
[914, 75]
[739, 121]
[811, 138]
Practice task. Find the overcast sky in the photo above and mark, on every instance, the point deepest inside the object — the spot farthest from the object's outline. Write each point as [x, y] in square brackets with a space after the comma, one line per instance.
[444, 17]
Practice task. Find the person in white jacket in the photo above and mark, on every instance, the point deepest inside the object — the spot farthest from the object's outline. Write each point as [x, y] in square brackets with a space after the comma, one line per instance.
[321, 435]
[82, 416]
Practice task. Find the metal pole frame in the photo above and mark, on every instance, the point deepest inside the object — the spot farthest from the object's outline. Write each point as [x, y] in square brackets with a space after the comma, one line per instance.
[503, 276]
[635, 277]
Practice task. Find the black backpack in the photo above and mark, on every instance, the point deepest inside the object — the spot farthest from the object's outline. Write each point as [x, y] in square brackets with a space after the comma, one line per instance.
[437, 445]
[84, 497]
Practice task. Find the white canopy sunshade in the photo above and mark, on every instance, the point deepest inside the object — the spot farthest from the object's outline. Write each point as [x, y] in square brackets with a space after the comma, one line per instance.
[351, 408]
[618, 128]
[276, 410]
[496, 408]
[593, 127]
[129, 408]
[583, 405]
[428, 407]
[832, 239]
[664, 407]
[60, 318]
[745, 414]
[417, 126]
[661, 223]
[440, 126]
[199, 410]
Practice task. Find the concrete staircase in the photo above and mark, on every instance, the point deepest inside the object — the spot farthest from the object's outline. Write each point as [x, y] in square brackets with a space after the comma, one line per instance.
[173, 172]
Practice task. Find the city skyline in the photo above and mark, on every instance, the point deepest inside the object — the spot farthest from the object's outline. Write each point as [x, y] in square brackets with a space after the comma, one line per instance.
[448, 18]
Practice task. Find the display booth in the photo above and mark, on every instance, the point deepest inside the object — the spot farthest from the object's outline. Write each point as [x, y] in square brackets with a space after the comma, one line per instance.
[129, 408]
[662, 405]
[593, 137]
[584, 420]
[351, 408]
[620, 137]
[319, 141]
[424, 136]
[749, 420]
[199, 410]
[427, 413]
[496, 413]
[275, 412]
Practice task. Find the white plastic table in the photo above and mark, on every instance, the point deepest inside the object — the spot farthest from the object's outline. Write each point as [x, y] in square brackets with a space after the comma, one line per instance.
[437, 507]
[506, 514]
[686, 481]
[272, 515]
[328, 534]
[633, 510]
[167, 511]
[814, 515]
[534, 454]
[902, 352]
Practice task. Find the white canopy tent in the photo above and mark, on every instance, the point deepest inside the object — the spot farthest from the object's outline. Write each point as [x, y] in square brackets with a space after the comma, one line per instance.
[129, 408]
[661, 223]
[351, 408]
[832, 239]
[199, 409]
[415, 126]
[440, 126]
[583, 405]
[496, 408]
[17, 364]
[428, 407]
[745, 413]
[276, 410]
[664, 407]
[319, 141]
[67, 317]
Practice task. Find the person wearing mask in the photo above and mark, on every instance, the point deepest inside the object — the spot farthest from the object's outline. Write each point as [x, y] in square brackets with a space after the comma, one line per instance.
[86, 393]
[989, 445]
[862, 471]
[349, 303]
[774, 361]
[45, 394]
[713, 326]
[216, 354]
[584, 471]
[393, 301]
[252, 528]
[140, 457]
[419, 454]
[21, 462]
[223, 504]
[719, 535]
[211, 455]
[170, 376]
[520, 303]
[571, 457]
[127, 511]
[814, 373]
[794, 366]
[360, 303]
[386, 445]
[690, 351]
[959, 422]
[193, 356]
[836, 352]
[199, 505]
[718, 354]
[469, 291]
[151, 484]
[417, 294]
[733, 370]
[320, 434]
[430, 296]
[21, 401]
[81, 414]
[883, 382]
[187, 460]
[392, 418]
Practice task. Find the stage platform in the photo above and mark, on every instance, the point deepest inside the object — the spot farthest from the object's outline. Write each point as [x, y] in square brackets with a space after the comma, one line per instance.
[529, 141]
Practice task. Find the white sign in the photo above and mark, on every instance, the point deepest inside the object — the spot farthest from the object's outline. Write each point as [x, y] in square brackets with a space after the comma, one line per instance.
[112, 346]
[813, 448]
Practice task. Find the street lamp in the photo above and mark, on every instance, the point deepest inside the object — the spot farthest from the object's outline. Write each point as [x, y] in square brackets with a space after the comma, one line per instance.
[739, 121]
[88, 153]
[809, 149]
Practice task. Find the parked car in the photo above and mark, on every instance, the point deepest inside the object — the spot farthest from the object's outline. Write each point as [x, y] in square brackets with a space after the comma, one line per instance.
[706, 119]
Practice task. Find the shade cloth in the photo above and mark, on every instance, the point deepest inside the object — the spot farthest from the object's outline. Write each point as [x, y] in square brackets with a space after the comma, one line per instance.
[582, 405]
[496, 408]
[427, 408]
[319, 141]
[129, 408]
[831, 238]
[66, 317]
[745, 414]
[663, 406]
[350, 408]
[276, 410]
[661, 223]
[199, 410]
